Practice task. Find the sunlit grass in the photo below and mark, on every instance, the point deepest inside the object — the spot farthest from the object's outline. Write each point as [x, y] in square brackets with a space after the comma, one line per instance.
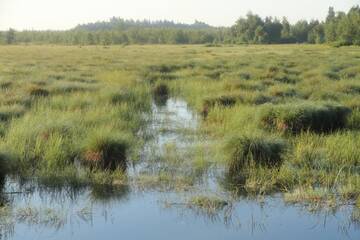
[293, 118]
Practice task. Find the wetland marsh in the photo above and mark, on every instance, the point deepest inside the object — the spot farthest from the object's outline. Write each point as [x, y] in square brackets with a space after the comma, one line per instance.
[193, 141]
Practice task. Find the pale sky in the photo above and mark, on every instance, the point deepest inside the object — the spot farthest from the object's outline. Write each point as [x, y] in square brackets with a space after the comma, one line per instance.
[65, 14]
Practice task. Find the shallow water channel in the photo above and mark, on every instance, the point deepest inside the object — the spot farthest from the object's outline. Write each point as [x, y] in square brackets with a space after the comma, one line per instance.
[131, 213]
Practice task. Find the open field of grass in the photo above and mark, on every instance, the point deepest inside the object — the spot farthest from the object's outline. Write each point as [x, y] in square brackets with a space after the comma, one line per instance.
[277, 118]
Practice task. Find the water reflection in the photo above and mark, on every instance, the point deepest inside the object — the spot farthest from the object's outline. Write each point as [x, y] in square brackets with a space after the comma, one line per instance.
[37, 216]
[109, 193]
[170, 135]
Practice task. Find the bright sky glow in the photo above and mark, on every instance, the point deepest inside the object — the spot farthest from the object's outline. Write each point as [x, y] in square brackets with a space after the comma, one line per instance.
[65, 14]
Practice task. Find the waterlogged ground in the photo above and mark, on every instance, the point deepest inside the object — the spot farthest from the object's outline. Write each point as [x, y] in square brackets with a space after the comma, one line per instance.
[130, 212]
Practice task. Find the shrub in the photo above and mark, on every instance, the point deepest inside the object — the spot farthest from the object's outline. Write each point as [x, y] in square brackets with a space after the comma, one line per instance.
[295, 118]
[105, 150]
[245, 151]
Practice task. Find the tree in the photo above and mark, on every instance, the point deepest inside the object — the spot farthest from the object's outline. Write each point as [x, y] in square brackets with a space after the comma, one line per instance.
[300, 31]
[331, 15]
[90, 39]
[106, 38]
[10, 36]
[244, 29]
[180, 37]
[273, 29]
[317, 34]
[349, 27]
[286, 31]
[340, 27]
[261, 36]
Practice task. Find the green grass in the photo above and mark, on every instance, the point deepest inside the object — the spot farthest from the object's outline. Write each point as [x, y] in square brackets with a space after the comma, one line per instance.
[246, 151]
[317, 198]
[294, 118]
[105, 150]
[293, 107]
[209, 204]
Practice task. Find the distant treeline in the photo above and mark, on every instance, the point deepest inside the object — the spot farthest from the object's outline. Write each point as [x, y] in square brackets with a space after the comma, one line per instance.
[339, 28]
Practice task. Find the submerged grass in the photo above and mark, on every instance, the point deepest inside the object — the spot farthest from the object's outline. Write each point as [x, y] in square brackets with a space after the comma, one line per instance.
[316, 198]
[209, 204]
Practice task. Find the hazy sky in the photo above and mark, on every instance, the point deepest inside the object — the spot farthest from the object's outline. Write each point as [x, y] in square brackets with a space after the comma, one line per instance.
[64, 14]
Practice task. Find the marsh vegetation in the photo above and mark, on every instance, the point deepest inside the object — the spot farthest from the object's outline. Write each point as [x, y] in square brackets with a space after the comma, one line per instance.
[214, 124]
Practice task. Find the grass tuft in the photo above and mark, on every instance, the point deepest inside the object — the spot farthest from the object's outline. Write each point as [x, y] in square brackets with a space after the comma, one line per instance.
[38, 92]
[9, 112]
[105, 150]
[253, 150]
[295, 118]
[208, 204]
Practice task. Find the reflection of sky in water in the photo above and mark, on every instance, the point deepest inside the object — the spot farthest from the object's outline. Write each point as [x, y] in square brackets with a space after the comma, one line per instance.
[171, 124]
[168, 120]
[144, 216]
[124, 213]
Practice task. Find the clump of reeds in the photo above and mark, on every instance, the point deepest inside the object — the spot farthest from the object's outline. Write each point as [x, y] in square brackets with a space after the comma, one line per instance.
[8, 112]
[253, 150]
[208, 204]
[295, 118]
[105, 150]
[5, 84]
[38, 92]
[222, 101]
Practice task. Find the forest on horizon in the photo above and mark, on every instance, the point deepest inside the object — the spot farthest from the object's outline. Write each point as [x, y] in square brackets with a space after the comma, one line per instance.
[339, 28]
